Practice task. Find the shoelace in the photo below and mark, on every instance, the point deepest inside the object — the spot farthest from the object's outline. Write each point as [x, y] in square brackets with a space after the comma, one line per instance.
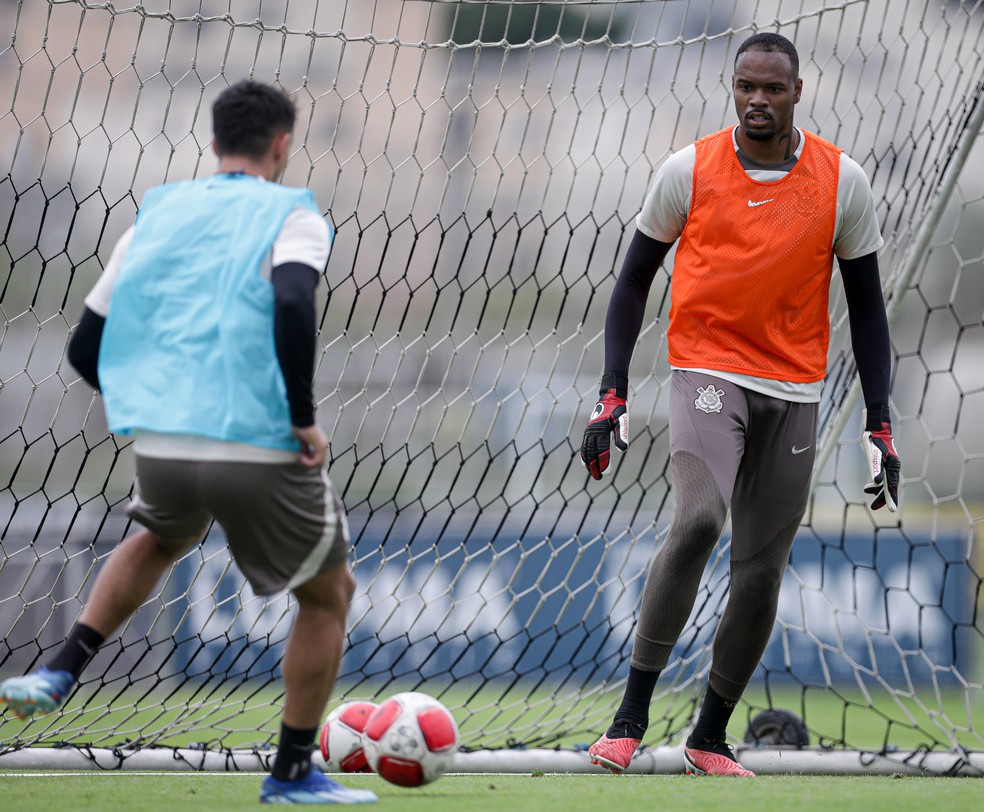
[719, 746]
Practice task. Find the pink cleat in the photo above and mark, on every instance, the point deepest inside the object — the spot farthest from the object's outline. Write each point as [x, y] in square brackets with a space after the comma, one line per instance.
[613, 754]
[712, 757]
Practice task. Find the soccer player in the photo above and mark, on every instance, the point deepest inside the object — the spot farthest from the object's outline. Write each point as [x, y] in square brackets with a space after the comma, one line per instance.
[201, 336]
[760, 211]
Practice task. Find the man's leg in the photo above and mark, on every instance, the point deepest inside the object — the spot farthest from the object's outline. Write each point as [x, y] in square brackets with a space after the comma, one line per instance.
[314, 645]
[770, 497]
[310, 667]
[739, 643]
[287, 529]
[667, 600]
[674, 577]
[125, 581]
[706, 451]
[127, 578]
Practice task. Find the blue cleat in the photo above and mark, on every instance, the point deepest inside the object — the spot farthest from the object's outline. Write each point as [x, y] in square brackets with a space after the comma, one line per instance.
[42, 691]
[316, 788]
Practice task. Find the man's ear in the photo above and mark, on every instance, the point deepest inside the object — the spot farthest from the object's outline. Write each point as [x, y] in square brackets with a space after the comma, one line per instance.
[281, 146]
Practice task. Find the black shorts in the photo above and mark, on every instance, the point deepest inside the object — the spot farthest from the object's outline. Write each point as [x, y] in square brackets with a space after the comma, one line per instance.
[284, 522]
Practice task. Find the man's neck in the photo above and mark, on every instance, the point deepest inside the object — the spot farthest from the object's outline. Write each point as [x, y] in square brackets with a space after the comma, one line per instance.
[772, 153]
[240, 165]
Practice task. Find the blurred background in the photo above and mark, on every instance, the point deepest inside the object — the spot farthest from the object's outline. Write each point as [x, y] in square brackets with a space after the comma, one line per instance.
[482, 164]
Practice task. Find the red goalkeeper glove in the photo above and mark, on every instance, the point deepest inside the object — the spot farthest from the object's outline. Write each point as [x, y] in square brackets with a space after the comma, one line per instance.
[883, 461]
[610, 417]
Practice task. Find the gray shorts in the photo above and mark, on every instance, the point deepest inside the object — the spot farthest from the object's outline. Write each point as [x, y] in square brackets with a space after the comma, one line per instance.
[759, 449]
[284, 523]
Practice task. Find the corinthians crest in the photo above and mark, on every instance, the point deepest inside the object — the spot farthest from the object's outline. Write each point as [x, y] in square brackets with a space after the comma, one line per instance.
[709, 399]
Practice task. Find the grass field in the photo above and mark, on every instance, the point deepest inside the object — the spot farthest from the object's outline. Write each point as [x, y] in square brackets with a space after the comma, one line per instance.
[185, 792]
[835, 718]
[825, 713]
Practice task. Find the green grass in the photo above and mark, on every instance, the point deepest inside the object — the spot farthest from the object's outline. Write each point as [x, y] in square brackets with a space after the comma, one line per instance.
[186, 792]
[538, 718]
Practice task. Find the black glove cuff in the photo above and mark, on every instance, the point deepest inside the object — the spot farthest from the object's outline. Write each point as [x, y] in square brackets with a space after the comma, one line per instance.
[877, 417]
[616, 381]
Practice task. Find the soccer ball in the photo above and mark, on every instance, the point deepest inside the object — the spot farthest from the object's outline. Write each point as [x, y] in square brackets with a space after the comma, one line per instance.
[410, 739]
[341, 737]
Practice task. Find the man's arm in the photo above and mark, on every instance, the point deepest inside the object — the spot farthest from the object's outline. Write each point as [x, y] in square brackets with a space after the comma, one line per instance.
[83, 348]
[869, 327]
[623, 323]
[294, 332]
[873, 356]
[627, 307]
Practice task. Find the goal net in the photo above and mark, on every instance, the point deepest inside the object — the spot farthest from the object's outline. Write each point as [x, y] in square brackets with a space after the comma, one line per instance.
[482, 164]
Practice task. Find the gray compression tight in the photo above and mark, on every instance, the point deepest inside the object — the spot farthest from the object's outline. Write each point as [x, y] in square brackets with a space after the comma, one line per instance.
[674, 577]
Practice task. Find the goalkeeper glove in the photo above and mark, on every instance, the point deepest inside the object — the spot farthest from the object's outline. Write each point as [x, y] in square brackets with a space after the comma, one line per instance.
[609, 416]
[883, 460]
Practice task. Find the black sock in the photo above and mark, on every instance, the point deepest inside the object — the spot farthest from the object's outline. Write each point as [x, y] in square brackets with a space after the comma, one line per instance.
[81, 646]
[715, 713]
[632, 716]
[293, 760]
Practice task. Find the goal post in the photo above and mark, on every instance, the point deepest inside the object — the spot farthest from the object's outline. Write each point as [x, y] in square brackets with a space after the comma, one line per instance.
[482, 164]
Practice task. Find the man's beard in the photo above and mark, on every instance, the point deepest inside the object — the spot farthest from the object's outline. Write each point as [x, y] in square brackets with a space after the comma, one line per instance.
[761, 135]
[758, 134]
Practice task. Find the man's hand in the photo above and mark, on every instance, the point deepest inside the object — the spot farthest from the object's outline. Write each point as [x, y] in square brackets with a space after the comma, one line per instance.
[883, 460]
[314, 445]
[609, 416]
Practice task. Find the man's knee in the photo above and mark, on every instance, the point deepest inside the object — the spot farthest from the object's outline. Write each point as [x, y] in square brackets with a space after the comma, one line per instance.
[694, 532]
[699, 508]
[331, 589]
[763, 572]
[173, 548]
[756, 578]
[348, 585]
[704, 524]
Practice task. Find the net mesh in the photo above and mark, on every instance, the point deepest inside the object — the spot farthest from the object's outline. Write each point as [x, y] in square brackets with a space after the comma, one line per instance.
[482, 164]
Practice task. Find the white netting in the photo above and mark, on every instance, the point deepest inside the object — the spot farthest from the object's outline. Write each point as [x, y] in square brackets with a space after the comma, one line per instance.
[483, 163]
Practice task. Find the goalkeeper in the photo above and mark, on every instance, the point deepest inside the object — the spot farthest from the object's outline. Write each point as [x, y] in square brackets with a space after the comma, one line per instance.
[760, 210]
[201, 336]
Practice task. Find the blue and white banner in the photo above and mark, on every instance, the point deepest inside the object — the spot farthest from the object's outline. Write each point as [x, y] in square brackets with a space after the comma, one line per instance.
[538, 607]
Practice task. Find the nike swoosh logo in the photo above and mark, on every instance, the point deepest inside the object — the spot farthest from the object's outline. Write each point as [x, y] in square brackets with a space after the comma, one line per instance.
[752, 204]
[800, 450]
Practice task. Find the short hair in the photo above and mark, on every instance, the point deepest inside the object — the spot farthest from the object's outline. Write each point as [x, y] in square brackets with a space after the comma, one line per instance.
[248, 115]
[771, 43]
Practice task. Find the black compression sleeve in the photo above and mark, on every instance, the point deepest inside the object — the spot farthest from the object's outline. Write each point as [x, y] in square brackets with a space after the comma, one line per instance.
[627, 307]
[294, 332]
[869, 327]
[83, 348]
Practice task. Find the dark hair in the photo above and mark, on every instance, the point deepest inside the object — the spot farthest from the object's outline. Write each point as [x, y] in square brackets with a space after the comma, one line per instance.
[248, 115]
[771, 43]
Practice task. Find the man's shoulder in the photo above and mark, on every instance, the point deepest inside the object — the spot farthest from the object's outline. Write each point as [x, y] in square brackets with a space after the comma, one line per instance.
[849, 168]
[307, 221]
[680, 162]
[822, 143]
[162, 190]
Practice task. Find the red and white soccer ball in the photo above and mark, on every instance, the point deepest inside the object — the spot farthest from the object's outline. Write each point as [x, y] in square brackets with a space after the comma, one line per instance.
[410, 739]
[341, 737]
